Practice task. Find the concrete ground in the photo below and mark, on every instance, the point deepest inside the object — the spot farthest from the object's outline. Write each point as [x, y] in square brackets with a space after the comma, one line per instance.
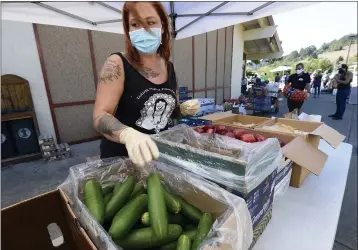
[26, 180]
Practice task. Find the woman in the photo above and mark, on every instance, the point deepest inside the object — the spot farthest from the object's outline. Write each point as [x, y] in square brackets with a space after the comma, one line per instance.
[137, 91]
[317, 80]
[298, 81]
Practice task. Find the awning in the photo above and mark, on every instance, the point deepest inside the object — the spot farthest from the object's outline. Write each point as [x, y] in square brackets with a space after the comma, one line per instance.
[281, 68]
[188, 18]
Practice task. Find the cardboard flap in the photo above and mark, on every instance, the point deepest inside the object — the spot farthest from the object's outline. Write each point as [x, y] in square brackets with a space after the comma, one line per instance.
[304, 154]
[218, 115]
[330, 135]
[269, 122]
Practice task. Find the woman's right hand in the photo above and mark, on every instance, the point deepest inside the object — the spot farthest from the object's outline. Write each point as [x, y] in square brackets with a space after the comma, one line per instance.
[141, 148]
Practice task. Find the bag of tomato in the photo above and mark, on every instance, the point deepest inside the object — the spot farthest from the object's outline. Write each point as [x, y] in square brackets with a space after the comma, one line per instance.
[294, 94]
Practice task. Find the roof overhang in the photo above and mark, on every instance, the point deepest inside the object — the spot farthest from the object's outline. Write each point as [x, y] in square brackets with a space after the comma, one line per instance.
[188, 18]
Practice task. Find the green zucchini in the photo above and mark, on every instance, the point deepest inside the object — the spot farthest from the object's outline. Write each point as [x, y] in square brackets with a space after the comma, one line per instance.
[189, 227]
[107, 198]
[116, 187]
[204, 227]
[120, 197]
[172, 219]
[93, 199]
[156, 206]
[189, 211]
[138, 190]
[172, 202]
[183, 242]
[173, 245]
[107, 189]
[146, 238]
[128, 216]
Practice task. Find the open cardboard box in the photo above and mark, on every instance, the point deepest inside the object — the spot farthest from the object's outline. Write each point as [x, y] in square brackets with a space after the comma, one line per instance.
[43, 222]
[244, 121]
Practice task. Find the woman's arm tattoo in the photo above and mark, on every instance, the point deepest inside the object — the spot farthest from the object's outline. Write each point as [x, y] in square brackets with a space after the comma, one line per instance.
[111, 71]
[108, 124]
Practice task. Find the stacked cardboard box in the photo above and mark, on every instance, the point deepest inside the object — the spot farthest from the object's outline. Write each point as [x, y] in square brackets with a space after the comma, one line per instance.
[51, 150]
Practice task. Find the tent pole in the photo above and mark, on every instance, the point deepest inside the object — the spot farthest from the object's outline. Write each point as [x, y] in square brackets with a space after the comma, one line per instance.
[202, 16]
[259, 8]
[217, 14]
[173, 17]
[64, 13]
[109, 21]
[109, 7]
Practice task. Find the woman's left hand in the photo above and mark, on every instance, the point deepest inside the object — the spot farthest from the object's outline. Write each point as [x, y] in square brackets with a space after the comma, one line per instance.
[190, 107]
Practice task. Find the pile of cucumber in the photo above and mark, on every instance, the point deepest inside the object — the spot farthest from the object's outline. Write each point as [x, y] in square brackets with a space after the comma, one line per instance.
[152, 218]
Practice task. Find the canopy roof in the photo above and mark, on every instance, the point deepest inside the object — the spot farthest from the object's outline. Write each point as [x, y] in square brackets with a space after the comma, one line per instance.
[188, 18]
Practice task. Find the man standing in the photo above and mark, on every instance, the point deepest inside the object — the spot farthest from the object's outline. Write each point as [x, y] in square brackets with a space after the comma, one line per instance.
[343, 79]
[317, 80]
[266, 78]
[301, 81]
[277, 78]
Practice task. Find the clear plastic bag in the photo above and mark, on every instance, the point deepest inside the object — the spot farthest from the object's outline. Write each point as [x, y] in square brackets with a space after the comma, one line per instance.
[232, 228]
[233, 163]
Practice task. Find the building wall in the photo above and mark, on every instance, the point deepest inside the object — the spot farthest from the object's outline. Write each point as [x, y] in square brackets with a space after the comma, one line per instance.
[72, 59]
[20, 57]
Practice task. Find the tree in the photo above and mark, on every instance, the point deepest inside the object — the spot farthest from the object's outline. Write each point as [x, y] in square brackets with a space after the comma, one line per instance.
[293, 55]
[339, 60]
[325, 64]
[314, 55]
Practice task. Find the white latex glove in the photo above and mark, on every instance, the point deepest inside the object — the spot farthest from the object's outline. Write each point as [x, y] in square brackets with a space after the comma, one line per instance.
[190, 107]
[141, 148]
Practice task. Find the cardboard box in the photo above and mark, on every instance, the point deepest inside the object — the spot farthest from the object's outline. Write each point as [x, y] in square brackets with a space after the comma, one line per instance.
[31, 224]
[303, 151]
[245, 121]
[307, 158]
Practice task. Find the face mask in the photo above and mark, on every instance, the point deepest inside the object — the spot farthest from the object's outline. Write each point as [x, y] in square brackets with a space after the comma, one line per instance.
[146, 42]
[341, 71]
[299, 71]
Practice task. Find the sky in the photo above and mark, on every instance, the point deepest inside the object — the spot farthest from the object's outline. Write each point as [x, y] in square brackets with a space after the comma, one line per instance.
[315, 24]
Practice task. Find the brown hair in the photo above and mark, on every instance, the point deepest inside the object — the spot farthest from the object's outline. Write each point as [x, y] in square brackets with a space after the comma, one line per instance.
[164, 48]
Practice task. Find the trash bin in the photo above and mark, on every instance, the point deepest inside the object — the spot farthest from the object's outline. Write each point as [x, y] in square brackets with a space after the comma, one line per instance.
[23, 131]
[8, 148]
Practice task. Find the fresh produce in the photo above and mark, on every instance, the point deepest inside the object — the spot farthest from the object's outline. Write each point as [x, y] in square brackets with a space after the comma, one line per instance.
[146, 237]
[260, 137]
[127, 217]
[230, 134]
[157, 207]
[116, 187]
[206, 221]
[172, 219]
[183, 242]
[138, 190]
[238, 132]
[189, 227]
[107, 198]
[249, 138]
[107, 189]
[173, 245]
[120, 197]
[172, 202]
[189, 211]
[94, 200]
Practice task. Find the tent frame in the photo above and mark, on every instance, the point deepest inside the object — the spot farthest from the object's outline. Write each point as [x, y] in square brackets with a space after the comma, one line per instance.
[173, 15]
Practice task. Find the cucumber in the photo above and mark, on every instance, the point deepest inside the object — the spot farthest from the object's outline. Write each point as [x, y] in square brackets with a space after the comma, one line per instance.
[146, 238]
[189, 211]
[204, 227]
[107, 198]
[107, 189]
[128, 216]
[172, 202]
[190, 227]
[183, 242]
[93, 199]
[172, 219]
[156, 206]
[116, 187]
[173, 245]
[120, 197]
[138, 190]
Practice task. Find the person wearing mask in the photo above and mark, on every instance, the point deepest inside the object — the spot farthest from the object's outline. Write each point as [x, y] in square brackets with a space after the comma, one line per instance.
[317, 80]
[277, 78]
[343, 80]
[301, 81]
[137, 91]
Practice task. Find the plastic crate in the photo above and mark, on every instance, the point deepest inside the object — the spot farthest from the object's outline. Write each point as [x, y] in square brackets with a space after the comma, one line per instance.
[262, 104]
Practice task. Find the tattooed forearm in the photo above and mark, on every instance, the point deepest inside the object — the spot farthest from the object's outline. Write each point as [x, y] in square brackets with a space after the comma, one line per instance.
[148, 72]
[108, 124]
[111, 71]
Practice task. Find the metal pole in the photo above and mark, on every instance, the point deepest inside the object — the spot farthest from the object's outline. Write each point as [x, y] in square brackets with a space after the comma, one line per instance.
[349, 49]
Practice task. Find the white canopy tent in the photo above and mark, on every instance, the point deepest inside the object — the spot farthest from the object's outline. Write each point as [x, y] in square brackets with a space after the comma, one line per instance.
[188, 18]
[281, 68]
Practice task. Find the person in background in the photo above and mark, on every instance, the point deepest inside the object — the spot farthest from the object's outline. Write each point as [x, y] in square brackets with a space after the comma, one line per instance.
[317, 80]
[343, 80]
[277, 78]
[266, 78]
[287, 78]
[301, 81]
[243, 85]
[137, 91]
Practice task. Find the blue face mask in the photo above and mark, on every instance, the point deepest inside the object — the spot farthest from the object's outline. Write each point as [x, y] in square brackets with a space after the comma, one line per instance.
[146, 42]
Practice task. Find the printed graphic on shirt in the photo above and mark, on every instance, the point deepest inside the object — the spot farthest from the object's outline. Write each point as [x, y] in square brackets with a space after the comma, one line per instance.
[156, 112]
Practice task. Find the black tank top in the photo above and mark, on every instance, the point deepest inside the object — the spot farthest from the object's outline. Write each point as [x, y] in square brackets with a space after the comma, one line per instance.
[144, 106]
